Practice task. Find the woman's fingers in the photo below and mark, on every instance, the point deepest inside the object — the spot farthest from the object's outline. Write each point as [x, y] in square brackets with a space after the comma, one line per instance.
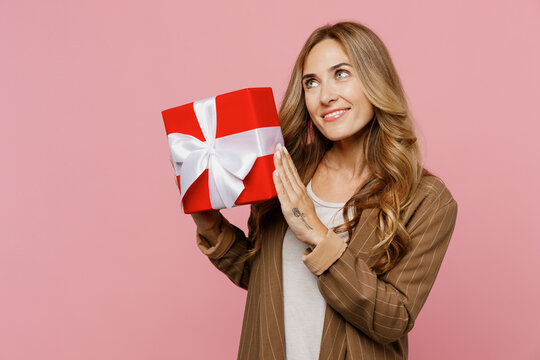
[280, 189]
[286, 170]
[295, 177]
[287, 187]
[283, 186]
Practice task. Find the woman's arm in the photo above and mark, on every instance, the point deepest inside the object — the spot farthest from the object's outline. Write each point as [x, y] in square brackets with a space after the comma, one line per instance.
[386, 308]
[225, 246]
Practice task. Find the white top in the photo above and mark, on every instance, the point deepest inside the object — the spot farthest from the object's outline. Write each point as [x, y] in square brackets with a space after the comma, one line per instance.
[304, 306]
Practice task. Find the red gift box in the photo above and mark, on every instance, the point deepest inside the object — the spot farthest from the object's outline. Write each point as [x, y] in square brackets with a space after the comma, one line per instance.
[246, 127]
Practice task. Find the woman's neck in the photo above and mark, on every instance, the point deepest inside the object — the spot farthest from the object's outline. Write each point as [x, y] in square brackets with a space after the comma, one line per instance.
[346, 157]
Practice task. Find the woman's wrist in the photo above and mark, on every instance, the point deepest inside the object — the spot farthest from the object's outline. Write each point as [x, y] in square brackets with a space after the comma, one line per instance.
[319, 234]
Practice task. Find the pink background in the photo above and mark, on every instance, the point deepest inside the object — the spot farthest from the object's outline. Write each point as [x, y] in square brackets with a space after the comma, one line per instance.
[98, 262]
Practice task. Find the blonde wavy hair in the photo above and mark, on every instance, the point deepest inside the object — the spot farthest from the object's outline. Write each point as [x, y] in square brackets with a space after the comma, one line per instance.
[391, 149]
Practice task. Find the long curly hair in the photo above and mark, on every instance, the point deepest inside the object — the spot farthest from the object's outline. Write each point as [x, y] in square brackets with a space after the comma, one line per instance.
[391, 149]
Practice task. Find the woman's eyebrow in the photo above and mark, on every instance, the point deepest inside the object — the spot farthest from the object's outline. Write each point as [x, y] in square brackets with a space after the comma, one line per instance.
[333, 67]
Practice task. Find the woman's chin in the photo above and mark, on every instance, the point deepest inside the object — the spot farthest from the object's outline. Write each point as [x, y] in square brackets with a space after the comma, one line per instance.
[337, 136]
[340, 136]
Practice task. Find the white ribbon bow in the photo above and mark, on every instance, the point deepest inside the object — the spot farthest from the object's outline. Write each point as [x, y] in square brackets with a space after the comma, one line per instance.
[228, 159]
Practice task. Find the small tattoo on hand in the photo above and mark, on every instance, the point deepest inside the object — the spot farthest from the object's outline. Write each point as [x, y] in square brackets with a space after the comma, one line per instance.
[301, 215]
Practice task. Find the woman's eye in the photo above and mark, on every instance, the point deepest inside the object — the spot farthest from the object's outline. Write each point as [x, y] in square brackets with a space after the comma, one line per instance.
[308, 82]
[342, 72]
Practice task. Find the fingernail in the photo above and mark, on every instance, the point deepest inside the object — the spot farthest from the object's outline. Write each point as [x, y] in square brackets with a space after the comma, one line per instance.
[285, 149]
[279, 146]
[276, 173]
[278, 155]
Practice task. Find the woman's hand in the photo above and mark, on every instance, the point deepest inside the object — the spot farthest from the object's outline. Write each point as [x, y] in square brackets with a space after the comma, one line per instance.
[296, 205]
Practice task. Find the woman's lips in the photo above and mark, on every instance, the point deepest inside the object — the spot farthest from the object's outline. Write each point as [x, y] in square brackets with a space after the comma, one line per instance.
[336, 116]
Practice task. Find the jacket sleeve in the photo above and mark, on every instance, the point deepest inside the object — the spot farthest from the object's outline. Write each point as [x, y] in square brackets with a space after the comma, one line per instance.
[385, 308]
[232, 244]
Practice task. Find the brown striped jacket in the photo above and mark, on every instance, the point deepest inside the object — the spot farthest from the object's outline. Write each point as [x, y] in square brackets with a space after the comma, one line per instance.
[367, 316]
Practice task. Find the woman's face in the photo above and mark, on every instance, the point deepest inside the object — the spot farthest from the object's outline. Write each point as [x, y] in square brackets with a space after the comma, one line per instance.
[334, 98]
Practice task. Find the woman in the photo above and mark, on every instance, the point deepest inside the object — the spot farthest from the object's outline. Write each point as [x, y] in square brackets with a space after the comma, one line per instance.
[339, 265]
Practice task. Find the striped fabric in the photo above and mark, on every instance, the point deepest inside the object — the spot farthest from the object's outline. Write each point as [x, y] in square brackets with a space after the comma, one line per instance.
[367, 317]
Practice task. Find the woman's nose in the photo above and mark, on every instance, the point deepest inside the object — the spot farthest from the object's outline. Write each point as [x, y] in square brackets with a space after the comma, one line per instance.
[328, 93]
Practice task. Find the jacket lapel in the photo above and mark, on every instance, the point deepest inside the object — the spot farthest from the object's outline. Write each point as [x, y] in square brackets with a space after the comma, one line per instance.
[334, 341]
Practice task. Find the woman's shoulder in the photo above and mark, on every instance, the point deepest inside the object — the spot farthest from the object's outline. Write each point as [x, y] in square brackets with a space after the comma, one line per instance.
[433, 189]
[431, 196]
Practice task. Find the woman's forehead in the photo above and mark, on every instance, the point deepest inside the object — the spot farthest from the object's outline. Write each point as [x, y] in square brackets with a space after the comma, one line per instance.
[324, 55]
